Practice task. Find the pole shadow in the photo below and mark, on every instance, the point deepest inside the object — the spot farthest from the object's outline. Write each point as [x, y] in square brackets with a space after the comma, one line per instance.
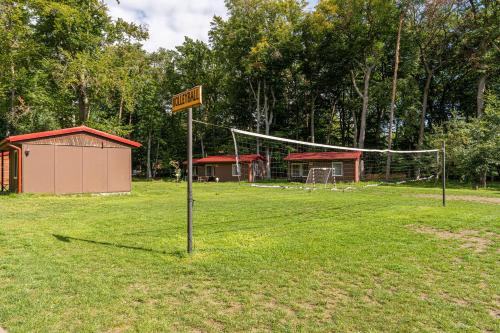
[68, 239]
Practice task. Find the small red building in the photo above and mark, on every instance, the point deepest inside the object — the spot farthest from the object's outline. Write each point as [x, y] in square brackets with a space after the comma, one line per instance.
[224, 168]
[345, 164]
[71, 160]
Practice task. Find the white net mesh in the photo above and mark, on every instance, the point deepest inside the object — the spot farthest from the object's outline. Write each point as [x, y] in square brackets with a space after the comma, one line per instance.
[321, 176]
[287, 160]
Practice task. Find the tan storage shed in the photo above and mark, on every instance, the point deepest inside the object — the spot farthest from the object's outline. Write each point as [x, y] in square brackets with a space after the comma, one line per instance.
[71, 160]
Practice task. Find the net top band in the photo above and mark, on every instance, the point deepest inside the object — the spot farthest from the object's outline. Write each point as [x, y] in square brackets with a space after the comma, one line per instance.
[319, 145]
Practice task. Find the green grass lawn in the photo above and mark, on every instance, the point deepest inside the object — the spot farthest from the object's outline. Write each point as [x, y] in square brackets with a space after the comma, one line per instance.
[379, 259]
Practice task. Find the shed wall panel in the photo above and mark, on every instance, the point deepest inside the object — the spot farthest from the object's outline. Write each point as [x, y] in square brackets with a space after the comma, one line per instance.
[348, 166]
[38, 169]
[224, 171]
[68, 170]
[95, 170]
[119, 170]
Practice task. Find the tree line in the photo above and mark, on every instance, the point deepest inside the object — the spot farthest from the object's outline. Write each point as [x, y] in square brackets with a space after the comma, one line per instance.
[361, 73]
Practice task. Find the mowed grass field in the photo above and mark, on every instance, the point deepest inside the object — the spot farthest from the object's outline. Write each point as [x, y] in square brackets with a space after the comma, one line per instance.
[379, 259]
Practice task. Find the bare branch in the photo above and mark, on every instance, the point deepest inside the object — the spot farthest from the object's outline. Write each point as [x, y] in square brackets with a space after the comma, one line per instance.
[251, 88]
[353, 77]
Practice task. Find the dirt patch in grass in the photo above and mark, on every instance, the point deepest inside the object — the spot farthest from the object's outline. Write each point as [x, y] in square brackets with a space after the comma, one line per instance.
[424, 297]
[214, 324]
[121, 329]
[473, 198]
[471, 239]
[495, 310]
[495, 313]
[233, 308]
[455, 300]
[324, 304]
[273, 305]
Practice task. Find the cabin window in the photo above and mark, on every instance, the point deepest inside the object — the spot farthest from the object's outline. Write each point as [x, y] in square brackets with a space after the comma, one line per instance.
[195, 171]
[209, 170]
[257, 169]
[338, 168]
[299, 170]
[234, 170]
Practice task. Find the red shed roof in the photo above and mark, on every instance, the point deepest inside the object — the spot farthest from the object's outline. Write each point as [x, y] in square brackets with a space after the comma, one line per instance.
[79, 129]
[228, 159]
[321, 156]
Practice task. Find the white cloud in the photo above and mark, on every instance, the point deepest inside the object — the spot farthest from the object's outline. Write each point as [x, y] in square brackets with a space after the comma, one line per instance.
[311, 4]
[169, 21]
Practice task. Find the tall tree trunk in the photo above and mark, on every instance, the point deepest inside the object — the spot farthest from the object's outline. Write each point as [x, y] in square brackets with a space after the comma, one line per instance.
[364, 111]
[268, 120]
[343, 117]
[148, 161]
[258, 111]
[365, 96]
[481, 87]
[354, 128]
[425, 97]
[342, 125]
[483, 178]
[332, 120]
[156, 158]
[83, 104]
[120, 113]
[313, 106]
[12, 96]
[202, 146]
[380, 115]
[393, 97]
[256, 95]
[12, 89]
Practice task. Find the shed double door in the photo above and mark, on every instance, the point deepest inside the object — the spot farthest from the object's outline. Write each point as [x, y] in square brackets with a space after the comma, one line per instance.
[71, 169]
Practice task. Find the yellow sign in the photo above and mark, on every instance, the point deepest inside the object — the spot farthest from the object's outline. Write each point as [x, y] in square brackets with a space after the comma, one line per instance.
[187, 99]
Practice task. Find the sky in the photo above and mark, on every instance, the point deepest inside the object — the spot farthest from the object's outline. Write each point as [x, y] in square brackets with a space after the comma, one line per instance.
[168, 21]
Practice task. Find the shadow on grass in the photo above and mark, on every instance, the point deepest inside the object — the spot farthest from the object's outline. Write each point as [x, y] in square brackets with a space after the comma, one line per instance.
[68, 239]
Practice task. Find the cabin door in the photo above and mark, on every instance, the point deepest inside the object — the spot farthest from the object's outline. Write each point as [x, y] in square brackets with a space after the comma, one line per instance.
[209, 171]
[13, 171]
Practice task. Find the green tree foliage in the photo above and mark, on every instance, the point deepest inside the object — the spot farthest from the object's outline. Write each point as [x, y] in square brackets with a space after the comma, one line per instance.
[473, 148]
[25, 101]
[271, 66]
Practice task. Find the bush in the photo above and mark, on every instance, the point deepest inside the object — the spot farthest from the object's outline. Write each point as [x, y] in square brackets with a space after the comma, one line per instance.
[473, 148]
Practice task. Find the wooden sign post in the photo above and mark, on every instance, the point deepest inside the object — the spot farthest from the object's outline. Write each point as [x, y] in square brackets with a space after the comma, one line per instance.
[187, 100]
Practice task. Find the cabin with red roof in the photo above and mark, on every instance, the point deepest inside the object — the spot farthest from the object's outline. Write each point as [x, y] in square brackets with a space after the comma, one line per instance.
[224, 168]
[70, 160]
[345, 164]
